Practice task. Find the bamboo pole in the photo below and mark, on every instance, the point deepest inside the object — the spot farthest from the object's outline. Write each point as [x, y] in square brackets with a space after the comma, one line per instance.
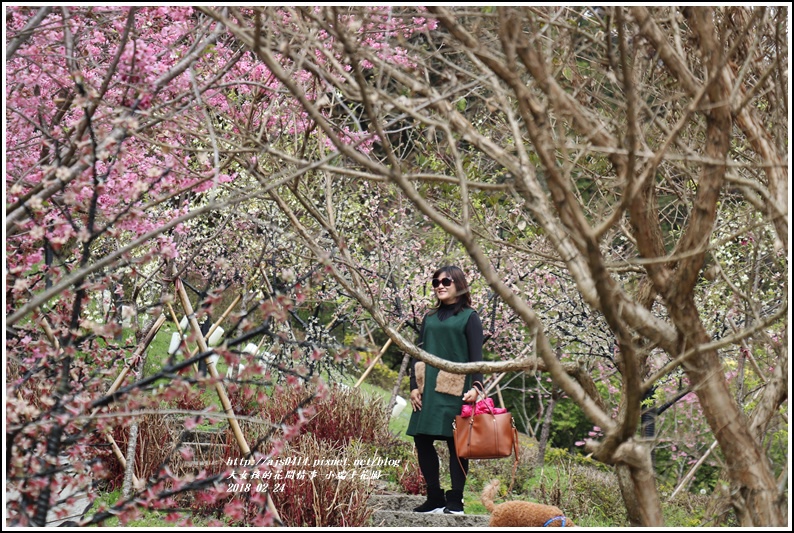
[179, 330]
[692, 471]
[210, 331]
[494, 383]
[217, 323]
[174, 318]
[227, 406]
[214, 326]
[373, 363]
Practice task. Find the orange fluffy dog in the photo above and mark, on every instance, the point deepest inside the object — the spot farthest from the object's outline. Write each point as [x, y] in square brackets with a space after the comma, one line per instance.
[521, 514]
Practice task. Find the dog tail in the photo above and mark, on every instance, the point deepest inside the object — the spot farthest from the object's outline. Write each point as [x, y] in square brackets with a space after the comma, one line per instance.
[488, 494]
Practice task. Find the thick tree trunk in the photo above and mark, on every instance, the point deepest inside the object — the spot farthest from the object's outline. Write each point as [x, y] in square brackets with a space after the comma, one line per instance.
[629, 495]
[753, 486]
[635, 470]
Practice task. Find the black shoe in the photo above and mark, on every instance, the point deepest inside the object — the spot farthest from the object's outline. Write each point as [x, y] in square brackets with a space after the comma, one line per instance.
[454, 502]
[434, 504]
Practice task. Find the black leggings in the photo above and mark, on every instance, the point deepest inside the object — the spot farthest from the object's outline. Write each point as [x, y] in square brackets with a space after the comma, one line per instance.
[428, 462]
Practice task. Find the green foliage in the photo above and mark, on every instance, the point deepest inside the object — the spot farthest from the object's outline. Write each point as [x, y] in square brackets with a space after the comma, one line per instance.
[384, 377]
[569, 425]
[557, 456]
[778, 448]
[686, 510]
[146, 518]
[591, 497]
[157, 354]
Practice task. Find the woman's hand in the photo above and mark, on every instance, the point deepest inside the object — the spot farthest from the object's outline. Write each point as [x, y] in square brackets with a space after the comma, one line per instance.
[416, 400]
[471, 395]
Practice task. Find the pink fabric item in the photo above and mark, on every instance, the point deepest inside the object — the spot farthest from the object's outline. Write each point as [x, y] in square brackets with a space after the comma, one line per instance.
[480, 408]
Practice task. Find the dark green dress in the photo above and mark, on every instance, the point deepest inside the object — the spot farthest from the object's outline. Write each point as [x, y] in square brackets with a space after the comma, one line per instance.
[447, 340]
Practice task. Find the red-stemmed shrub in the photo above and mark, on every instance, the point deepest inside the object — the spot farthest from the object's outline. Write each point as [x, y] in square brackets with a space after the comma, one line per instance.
[328, 495]
[326, 430]
[411, 480]
[337, 415]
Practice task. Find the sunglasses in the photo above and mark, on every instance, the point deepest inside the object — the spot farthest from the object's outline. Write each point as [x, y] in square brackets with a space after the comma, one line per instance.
[446, 282]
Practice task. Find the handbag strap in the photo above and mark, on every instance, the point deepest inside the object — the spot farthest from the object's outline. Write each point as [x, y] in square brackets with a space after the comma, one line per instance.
[454, 429]
[515, 461]
[481, 397]
[480, 391]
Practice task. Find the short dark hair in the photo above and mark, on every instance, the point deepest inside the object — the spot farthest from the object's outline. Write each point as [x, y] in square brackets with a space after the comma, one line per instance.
[461, 285]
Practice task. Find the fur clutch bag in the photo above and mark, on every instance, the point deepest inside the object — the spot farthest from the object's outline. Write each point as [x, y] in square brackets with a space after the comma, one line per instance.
[449, 383]
[419, 373]
[446, 382]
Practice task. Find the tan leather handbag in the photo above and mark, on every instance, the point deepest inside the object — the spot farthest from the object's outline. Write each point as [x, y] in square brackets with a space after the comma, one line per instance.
[485, 435]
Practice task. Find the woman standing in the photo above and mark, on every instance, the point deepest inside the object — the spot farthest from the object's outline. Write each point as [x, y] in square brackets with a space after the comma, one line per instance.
[451, 331]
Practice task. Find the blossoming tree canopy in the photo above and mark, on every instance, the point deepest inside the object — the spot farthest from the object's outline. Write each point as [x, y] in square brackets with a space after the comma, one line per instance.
[129, 150]
[120, 121]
